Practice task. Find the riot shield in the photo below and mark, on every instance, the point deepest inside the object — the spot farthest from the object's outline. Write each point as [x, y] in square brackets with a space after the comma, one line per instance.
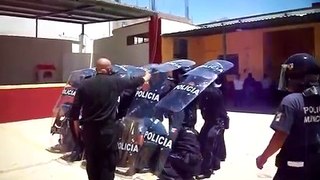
[139, 116]
[65, 100]
[145, 134]
[62, 107]
[118, 69]
[134, 71]
[64, 103]
[175, 64]
[196, 81]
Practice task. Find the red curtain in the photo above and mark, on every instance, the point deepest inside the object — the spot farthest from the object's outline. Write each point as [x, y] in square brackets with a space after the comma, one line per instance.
[155, 40]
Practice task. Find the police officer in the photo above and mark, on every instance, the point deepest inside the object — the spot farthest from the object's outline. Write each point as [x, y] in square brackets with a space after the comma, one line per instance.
[297, 122]
[98, 99]
[185, 158]
[216, 120]
[143, 109]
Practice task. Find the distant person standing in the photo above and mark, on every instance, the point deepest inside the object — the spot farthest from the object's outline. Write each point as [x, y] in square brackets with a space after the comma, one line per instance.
[266, 88]
[97, 97]
[249, 89]
[238, 90]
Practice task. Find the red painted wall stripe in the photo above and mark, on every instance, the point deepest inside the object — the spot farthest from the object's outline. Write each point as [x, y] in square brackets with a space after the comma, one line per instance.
[29, 103]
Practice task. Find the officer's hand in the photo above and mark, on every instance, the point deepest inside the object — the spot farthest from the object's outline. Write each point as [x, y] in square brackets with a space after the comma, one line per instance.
[260, 161]
[147, 76]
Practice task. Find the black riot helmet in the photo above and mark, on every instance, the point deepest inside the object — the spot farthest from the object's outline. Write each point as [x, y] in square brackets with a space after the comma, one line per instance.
[299, 72]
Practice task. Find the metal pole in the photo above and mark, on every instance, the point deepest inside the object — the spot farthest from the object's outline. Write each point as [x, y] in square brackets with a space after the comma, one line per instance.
[186, 3]
[37, 27]
[153, 5]
[224, 42]
[81, 40]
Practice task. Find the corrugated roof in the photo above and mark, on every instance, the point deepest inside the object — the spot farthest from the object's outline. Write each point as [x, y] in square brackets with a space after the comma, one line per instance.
[299, 16]
[73, 11]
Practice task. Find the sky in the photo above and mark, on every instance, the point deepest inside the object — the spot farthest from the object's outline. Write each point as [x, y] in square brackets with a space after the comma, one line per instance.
[203, 11]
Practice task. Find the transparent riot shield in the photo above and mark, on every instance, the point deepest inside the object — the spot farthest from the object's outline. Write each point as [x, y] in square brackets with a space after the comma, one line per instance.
[140, 115]
[196, 81]
[65, 100]
[62, 108]
[64, 103]
[145, 134]
[175, 64]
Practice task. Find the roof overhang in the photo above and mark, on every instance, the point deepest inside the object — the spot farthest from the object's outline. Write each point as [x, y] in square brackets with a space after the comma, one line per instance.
[72, 11]
[249, 25]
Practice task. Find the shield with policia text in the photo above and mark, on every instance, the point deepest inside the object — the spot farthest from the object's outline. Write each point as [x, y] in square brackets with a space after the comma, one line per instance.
[196, 81]
[62, 107]
[65, 101]
[142, 121]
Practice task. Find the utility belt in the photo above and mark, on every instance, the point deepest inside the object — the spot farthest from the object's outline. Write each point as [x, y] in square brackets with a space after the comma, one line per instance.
[104, 126]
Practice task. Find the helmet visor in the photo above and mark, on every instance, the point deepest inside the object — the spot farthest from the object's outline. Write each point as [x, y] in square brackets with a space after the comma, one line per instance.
[283, 81]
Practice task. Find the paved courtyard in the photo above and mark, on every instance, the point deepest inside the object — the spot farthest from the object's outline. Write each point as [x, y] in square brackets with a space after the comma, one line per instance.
[23, 155]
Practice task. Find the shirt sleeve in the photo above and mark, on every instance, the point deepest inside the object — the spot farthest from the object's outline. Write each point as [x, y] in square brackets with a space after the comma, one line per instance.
[77, 104]
[283, 119]
[129, 83]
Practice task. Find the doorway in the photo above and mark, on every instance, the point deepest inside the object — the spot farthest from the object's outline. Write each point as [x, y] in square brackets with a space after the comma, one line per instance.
[279, 45]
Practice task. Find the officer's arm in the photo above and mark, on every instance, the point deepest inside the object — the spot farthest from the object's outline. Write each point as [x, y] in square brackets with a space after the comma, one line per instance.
[282, 124]
[275, 144]
[126, 83]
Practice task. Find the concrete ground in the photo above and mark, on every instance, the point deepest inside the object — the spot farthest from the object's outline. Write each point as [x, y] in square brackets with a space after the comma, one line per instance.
[23, 155]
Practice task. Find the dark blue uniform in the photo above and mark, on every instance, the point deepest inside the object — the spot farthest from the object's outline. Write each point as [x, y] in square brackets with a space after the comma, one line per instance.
[185, 158]
[299, 157]
[211, 136]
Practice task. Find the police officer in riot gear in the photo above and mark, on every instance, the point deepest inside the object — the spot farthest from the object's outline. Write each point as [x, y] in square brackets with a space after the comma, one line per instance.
[185, 158]
[213, 111]
[297, 122]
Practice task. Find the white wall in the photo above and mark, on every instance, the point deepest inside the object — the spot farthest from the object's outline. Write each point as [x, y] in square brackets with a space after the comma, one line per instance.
[74, 61]
[20, 55]
[116, 49]
[170, 26]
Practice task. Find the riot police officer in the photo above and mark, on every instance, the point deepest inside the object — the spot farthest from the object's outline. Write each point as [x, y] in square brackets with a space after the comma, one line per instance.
[297, 122]
[185, 158]
[216, 120]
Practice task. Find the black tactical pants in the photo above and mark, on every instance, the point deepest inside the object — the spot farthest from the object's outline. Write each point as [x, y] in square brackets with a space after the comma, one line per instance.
[101, 152]
[291, 173]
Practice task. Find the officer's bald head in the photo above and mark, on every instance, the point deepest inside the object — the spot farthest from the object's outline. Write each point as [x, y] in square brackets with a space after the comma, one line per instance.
[103, 66]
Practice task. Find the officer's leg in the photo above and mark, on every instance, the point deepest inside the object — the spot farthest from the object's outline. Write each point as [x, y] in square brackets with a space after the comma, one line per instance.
[169, 172]
[91, 156]
[91, 166]
[107, 156]
[108, 164]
